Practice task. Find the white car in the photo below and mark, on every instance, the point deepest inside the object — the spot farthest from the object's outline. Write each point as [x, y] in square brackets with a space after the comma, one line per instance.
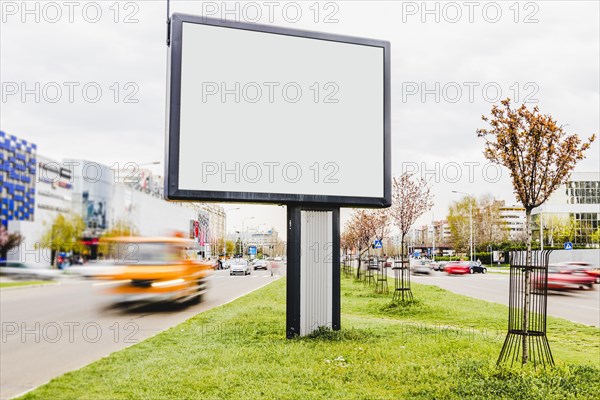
[260, 264]
[239, 266]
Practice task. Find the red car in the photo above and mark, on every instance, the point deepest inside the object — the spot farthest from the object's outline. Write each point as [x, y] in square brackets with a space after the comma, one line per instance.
[581, 267]
[457, 268]
[565, 279]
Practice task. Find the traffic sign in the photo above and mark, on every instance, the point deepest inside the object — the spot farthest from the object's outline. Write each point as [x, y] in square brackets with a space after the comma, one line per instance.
[568, 246]
[377, 244]
[252, 250]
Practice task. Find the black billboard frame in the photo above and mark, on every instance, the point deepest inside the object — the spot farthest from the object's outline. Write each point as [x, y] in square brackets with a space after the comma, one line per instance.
[172, 143]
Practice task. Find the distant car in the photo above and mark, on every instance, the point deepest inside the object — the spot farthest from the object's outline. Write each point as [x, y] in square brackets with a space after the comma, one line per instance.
[457, 268]
[260, 264]
[421, 267]
[19, 270]
[239, 266]
[439, 265]
[278, 259]
[563, 279]
[477, 268]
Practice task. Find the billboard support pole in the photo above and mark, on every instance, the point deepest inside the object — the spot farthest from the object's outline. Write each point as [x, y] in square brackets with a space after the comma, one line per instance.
[313, 298]
[168, 23]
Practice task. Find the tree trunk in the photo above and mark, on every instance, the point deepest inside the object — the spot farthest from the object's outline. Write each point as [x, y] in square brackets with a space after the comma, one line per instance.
[358, 269]
[527, 293]
[402, 247]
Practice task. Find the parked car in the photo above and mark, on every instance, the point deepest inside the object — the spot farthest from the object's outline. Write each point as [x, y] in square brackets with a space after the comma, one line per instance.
[260, 264]
[457, 268]
[477, 268]
[239, 266]
[563, 279]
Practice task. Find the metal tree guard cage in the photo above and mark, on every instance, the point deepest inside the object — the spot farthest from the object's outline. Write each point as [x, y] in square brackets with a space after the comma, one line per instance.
[402, 279]
[533, 332]
[347, 265]
[370, 271]
[381, 283]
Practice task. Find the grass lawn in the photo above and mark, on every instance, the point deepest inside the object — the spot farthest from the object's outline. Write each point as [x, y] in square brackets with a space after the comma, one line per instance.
[444, 346]
[23, 283]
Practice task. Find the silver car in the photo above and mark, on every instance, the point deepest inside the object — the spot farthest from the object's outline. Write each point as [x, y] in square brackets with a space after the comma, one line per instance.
[239, 266]
[260, 264]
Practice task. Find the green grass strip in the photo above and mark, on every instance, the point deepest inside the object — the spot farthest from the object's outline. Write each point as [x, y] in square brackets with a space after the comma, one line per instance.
[444, 346]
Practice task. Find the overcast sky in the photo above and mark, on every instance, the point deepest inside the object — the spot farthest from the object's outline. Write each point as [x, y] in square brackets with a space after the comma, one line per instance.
[544, 52]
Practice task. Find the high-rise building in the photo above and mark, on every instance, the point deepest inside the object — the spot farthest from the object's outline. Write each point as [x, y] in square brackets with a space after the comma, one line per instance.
[17, 179]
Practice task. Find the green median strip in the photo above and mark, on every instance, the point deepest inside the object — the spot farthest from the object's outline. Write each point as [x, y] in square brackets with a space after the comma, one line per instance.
[443, 346]
[23, 283]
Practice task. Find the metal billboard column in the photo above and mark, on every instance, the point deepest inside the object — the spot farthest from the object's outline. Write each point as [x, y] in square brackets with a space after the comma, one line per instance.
[313, 269]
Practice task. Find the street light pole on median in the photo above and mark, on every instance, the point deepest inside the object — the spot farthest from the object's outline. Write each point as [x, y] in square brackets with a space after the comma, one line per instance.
[470, 221]
[225, 237]
[244, 234]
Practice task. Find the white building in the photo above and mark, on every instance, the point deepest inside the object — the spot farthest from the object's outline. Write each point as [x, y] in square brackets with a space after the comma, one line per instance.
[513, 220]
[578, 201]
[90, 190]
[53, 196]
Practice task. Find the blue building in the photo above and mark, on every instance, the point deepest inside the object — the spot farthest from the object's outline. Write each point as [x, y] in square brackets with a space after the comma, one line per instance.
[17, 179]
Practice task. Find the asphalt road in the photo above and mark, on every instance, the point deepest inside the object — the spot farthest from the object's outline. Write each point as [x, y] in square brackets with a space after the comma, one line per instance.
[582, 306]
[49, 330]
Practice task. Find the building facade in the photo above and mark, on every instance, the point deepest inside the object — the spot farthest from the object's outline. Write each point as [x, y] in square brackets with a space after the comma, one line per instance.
[572, 212]
[513, 219]
[17, 179]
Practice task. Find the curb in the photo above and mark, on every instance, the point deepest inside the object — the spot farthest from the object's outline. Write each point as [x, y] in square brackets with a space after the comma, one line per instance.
[29, 286]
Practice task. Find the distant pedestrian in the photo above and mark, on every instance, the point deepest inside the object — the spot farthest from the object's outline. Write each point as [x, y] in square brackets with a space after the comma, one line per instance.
[274, 266]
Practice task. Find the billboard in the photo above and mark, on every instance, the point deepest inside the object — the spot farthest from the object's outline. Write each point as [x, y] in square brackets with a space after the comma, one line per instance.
[267, 114]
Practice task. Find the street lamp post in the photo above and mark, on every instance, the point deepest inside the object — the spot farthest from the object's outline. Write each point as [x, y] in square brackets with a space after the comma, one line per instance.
[433, 245]
[225, 237]
[542, 230]
[244, 234]
[470, 221]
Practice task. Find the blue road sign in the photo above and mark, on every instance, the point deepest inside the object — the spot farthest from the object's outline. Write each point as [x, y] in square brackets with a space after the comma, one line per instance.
[568, 246]
[252, 250]
[377, 244]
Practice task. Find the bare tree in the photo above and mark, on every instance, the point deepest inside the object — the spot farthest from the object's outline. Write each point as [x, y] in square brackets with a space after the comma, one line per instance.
[361, 229]
[381, 221]
[410, 199]
[539, 155]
